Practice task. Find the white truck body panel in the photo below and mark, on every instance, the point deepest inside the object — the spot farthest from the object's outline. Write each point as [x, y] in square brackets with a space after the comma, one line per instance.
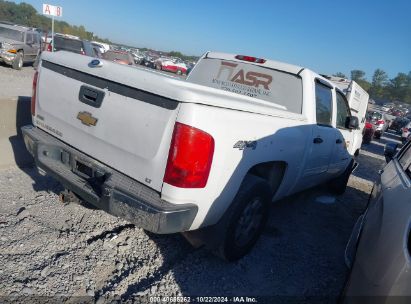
[133, 135]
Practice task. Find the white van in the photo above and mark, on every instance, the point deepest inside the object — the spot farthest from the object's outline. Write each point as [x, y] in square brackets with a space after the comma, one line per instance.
[358, 101]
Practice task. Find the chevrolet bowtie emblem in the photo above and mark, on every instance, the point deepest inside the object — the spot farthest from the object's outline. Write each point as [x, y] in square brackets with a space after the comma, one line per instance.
[87, 119]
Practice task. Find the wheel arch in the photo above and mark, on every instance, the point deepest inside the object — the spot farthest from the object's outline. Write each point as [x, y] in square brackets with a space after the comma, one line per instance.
[273, 172]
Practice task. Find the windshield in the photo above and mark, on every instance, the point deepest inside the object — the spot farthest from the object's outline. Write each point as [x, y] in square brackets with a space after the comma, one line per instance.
[11, 34]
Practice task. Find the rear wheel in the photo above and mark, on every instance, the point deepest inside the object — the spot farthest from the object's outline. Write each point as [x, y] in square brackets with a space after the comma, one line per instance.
[18, 61]
[245, 219]
[179, 72]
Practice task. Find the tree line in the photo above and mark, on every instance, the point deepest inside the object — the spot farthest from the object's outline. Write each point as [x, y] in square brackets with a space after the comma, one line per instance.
[26, 14]
[383, 88]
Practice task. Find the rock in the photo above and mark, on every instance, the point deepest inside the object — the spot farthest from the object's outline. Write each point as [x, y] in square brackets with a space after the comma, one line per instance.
[45, 272]
[27, 291]
[90, 292]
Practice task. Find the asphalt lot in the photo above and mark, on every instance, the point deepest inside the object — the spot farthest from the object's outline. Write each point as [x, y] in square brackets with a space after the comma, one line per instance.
[54, 250]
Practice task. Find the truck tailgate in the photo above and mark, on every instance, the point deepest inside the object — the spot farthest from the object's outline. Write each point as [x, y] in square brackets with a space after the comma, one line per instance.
[106, 113]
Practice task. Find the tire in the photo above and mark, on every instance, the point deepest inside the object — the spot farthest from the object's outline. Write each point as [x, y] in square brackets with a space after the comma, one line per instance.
[18, 61]
[339, 184]
[245, 218]
[179, 72]
[357, 152]
[158, 67]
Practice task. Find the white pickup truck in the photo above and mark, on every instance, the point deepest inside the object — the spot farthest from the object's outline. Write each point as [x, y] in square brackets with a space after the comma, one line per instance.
[204, 156]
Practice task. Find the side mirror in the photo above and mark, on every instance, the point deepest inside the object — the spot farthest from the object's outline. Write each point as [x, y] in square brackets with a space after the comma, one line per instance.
[389, 151]
[352, 122]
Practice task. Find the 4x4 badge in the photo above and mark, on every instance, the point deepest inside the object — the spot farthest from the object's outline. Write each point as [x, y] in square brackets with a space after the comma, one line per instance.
[87, 119]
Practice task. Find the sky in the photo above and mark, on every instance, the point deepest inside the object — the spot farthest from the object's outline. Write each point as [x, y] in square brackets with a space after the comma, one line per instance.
[326, 36]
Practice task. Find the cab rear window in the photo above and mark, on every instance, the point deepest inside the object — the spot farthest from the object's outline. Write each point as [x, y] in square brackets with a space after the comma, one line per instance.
[282, 89]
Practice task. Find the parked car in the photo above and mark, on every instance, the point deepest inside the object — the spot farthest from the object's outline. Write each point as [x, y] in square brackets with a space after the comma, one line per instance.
[148, 61]
[377, 119]
[398, 124]
[379, 248]
[138, 57]
[121, 57]
[171, 65]
[103, 47]
[73, 44]
[368, 132]
[396, 112]
[18, 44]
[406, 132]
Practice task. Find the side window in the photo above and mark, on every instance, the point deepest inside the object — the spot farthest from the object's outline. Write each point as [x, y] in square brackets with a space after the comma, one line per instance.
[342, 110]
[29, 38]
[323, 98]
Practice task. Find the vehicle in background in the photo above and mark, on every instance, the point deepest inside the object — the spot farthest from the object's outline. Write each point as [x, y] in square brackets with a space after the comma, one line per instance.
[396, 112]
[174, 65]
[385, 108]
[121, 57]
[379, 249]
[190, 66]
[148, 61]
[398, 123]
[138, 57]
[104, 47]
[358, 101]
[18, 44]
[368, 132]
[377, 119]
[46, 39]
[406, 132]
[72, 44]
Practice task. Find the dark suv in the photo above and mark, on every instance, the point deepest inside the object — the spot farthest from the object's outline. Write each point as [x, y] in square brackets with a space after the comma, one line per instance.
[18, 44]
[75, 45]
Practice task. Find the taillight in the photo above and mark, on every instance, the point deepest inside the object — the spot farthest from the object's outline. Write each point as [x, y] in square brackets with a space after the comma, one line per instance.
[250, 59]
[380, 122]
[34, 93]
[49, 47]
[82, 52]
[190, 157]
[368, 125]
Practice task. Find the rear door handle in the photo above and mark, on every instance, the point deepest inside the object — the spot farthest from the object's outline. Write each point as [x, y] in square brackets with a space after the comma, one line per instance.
[338, 141]
[318, 140]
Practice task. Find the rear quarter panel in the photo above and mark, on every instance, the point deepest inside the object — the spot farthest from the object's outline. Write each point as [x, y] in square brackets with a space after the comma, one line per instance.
[277, 138]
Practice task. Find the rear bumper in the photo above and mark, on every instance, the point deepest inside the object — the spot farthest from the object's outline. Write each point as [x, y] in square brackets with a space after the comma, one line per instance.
[106, 188]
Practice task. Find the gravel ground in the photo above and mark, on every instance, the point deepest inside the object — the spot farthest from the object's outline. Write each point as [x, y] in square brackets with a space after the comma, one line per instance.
[56, 250]
[15, 83]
